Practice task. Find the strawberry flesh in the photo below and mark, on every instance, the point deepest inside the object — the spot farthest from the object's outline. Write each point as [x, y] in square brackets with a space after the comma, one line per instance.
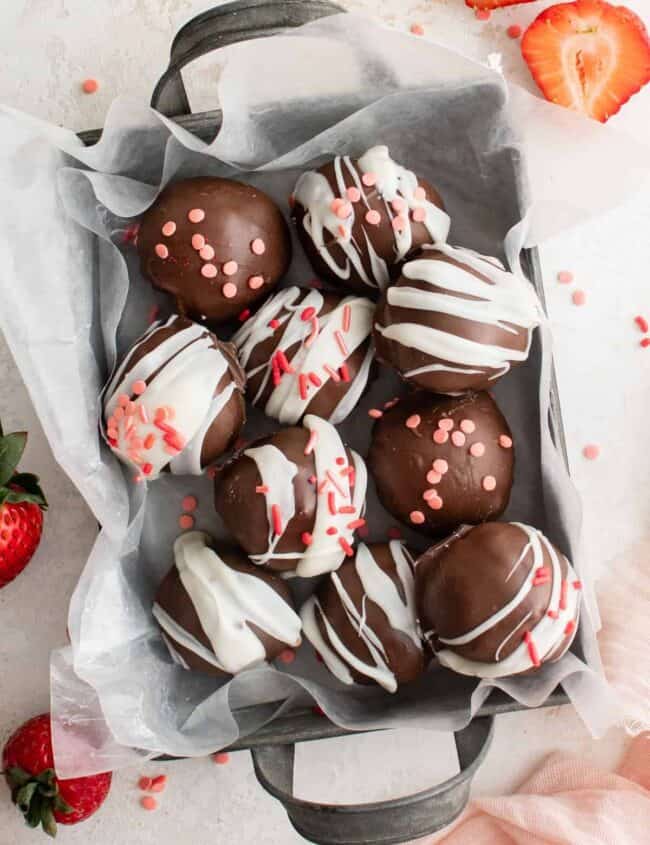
[494, 4]
[588, 55]
[21, 526]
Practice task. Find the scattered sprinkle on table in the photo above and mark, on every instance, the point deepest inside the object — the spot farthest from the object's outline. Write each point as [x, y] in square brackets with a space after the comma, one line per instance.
[190, 503]
[642, 323]
[514, 30]
[417, 29]
[148, 802]
[483, 14]
[565, 277]
[221, 758]
[90, 86]
[579, 297]
[159, 783]
[645, 342]
[145, 784]
[186, 521]
[287, 656]
[591, 451]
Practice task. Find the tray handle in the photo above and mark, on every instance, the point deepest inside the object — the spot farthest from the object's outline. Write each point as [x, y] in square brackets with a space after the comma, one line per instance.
[231, 23]
[381, 823]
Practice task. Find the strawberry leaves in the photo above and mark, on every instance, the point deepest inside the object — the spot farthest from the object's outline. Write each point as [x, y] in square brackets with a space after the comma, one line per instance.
[37, 797]
[12, 447]
[16, 487]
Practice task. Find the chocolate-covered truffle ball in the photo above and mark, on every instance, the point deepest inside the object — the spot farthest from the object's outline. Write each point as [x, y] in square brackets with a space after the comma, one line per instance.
[307, 352]
[219, 613]
[359, 219]
[455, 320]
[440, 462]
[497, 600]
[362, 619]
[293, 500]
[215, 245]
[176, 400]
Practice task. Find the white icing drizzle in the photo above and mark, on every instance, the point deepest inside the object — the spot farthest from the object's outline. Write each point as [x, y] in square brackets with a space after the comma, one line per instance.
[393, 182]
[507, 302]
[227, 603]
[181, 373]
[325, 553]
[285, 402]
[381, 589]
[547, 634]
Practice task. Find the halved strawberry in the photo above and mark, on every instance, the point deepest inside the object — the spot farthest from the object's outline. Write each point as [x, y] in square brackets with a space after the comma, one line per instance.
[588, 55]
[494, 4]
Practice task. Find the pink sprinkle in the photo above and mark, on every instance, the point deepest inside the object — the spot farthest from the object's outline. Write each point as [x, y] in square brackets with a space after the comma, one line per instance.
[375, 413]
[394, 533]
[489, 483]
[255, 282]
[313, 378]
[230, 268]
[435, 503]
[416, 517]
[161, 251]
[287, 656]
[186, 521]
[138, 387]
[353, 194]
[196, 215]
[532, 649]
[369, 179]
[221, 758]
[341, 343]
[483, 14]
[344, 210]
[336, 203]
[159, 783]
[591, 452]
[579, 297]
[514, 31]
[440, 465]
[118, 413]
[419, 215]
[477, 450]
[149, 441]
[419, 193]
[209, 271]
[343, 231]
[313, 437]
[399, 223]
[416, 29]
[336, 378]
[413, 421]
[229, 290]
[168, 228]
[190, 503]
[564, 277]
[373, 217]
[142, 414]
[258, 247]
[148, 802]
[347, 318]
[112, 433]
[505, 442]
[398, 205]
[429, 494]
[434, 477]
[262, 489]
[206, 252]
[123, 400]
[458, 438]
[130, 409]
[467, 426]
[347, 548]
[446, 424]
[440, 436]
[198, 242]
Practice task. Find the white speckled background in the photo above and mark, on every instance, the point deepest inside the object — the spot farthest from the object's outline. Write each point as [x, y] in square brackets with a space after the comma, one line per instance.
[47, 47]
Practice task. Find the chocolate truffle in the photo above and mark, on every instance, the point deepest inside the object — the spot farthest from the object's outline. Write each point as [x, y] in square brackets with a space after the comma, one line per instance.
[176, 400]
[455, 320]
[215, 245]
[439, 462]
[497, 600]
[307, 352]
[220, 614]
[362, 619]
[359, 219]
[294, 499]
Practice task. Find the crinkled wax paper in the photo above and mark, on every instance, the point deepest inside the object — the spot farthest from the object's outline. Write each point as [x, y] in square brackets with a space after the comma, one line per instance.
[73, 298]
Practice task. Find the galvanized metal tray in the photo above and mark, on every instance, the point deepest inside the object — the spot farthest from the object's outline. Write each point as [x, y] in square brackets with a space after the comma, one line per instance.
[272, 747]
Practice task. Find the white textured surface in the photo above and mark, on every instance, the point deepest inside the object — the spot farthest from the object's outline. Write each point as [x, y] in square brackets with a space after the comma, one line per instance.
[46, 48]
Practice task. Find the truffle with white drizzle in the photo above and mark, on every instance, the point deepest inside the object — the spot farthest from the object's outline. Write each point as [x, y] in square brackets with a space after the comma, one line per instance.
[360, 219]
[455, 320]
[307, 352]
[294, 499]
[176, 400]
[220, 614]
[497, 600]
[362, 619]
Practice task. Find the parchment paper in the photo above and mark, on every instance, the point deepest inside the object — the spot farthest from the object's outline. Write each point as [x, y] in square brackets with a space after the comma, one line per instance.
[73, 299]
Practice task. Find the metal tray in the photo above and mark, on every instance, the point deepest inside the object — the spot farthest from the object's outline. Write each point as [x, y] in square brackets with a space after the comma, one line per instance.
[272, 747]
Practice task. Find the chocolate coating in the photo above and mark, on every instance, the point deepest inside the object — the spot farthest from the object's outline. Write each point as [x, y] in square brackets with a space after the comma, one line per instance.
[455, 321]
[401, 460]
[235, 216]
[401, 658]
[465, 581]
[174, 599]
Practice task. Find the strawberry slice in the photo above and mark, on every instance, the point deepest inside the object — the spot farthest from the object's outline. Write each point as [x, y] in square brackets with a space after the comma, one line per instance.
[588, 55]
[494, 4]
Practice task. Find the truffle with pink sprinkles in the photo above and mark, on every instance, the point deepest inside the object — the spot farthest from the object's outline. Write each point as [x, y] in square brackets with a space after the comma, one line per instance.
[175, 402]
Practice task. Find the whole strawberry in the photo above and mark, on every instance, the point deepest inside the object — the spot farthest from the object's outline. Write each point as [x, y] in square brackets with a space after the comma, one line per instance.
[21, 509]
[42, 798]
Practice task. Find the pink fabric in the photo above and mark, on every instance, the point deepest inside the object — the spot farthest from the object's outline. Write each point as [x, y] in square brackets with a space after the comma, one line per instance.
[566, 802]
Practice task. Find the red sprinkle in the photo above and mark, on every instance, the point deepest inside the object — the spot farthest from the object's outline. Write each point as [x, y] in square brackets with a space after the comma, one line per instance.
[532, 649]
[514, 31]
[145, 784]
[645, 342]
[356, 523]
[221, 758]
[347, 318]
[275, 371]
[642, 323]
[277, 519]
[563, 595]
[313, 378]
[332, 531]
[306, 538]
[375, 413]
[553, 614]
[186, 521]
[577, 585]
[570, 627]
[309, 448]
[347, 548]
[90, 86]
[307, 314]
[345, 373]
[347, 509]
[416, 29]
[148, 802]
[147, 468]
[190, 503]
[331, 502]
[283, 362]
[340, 461]
[273, 324]
[483, 14]
[262, 488]
[303, 386]
[347, 471]
[159, 783]
[316, 710]
[287, 656]
[245, 314]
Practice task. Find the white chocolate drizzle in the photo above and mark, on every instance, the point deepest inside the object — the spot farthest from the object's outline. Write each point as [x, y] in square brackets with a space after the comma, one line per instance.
[227, 603]
[393, 183]
[381, 589]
